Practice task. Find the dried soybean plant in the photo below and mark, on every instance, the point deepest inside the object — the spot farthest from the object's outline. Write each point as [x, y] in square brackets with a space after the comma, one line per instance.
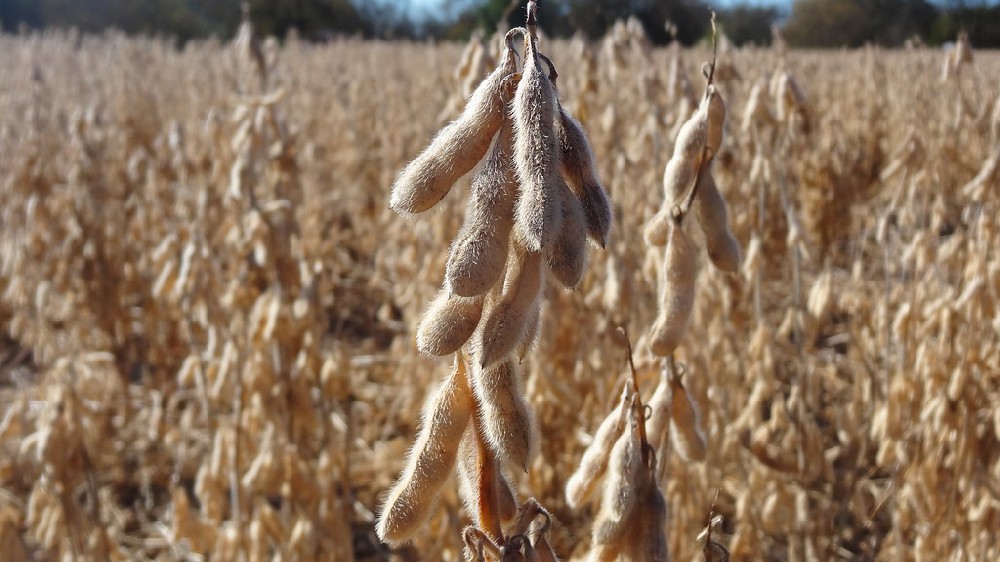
[533, 203]
[688, 183]
[631, 520]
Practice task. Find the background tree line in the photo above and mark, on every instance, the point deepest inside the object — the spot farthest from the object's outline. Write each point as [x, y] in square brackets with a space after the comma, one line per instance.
[805, 23]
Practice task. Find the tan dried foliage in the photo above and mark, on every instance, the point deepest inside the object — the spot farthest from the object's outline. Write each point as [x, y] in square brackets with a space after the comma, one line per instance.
[209, 310]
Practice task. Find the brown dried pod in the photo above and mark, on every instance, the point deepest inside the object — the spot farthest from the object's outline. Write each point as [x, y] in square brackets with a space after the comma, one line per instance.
[723, 249]
[410, 499]
[566, 258]
[458, 147]
[538, 216]
[479, 252]
[448, 323]
[658, 227]
[468, 481]
[621, 495]
[504, 414]
[659, 409]
[577, 161]
[530, 333]
[715, 114]
[506, 321]
[677, 291]
[594, 461]
[685, 429]
[679, 175]
[645, 539]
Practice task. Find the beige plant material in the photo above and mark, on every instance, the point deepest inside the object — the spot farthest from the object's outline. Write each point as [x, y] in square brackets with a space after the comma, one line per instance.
[566, 258]
[479, 252]
[594, 462]
[431, 460]
[538, 215]
[577, 161]
[458, 147]
[448, 323]
[504, 414]
[505, 322]
[677, 292]
[713, 217]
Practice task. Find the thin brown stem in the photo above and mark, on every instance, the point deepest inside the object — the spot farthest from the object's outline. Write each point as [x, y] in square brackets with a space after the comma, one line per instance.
[489, 520]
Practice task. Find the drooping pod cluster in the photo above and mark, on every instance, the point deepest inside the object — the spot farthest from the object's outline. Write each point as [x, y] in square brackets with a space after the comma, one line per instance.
[688, 181]
[632, 515]
[534, 200]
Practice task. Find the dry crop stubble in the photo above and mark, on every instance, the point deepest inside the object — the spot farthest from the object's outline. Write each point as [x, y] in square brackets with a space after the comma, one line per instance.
[898, 358]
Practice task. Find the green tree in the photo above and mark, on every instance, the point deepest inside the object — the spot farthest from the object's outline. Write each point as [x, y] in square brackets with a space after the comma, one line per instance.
[745, 23]
[852, 23]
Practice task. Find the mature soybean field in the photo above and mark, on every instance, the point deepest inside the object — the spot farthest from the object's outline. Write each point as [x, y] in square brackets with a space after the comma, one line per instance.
[218, 337]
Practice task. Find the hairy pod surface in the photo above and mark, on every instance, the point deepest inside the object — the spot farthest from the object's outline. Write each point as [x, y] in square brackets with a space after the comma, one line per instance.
[685, 429]
[448, 323]
[709, 205]
[625, 468]
[715, 114]
[479, 252]
[692, 137]
[678, 177]
[506, 321]
[504, 413]
[656, 230]
[577, 161]
[468, 484]
[530, 332]
[659, 409]
[538, 217]
[457, 148]
[646, 540]
[594, 461]
[431, 459]
[676, 293]
[566, 258]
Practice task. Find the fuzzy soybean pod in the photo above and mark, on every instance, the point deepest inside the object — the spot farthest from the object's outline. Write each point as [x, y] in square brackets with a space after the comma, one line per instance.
[723, 249]
[470, 488]
[506, 321]
[677, 292]
[448, 323]
[538, 216]
[594, 462]
[577, 161]
[656, 230]
[566, 258]
[530, 333]
[504, 414]
[685, 427]
[659, 410]
[479, 252]
[715, 115]
[458, 147]
[431, 460]
[646, 540]
[682, 169]
[621, 495]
